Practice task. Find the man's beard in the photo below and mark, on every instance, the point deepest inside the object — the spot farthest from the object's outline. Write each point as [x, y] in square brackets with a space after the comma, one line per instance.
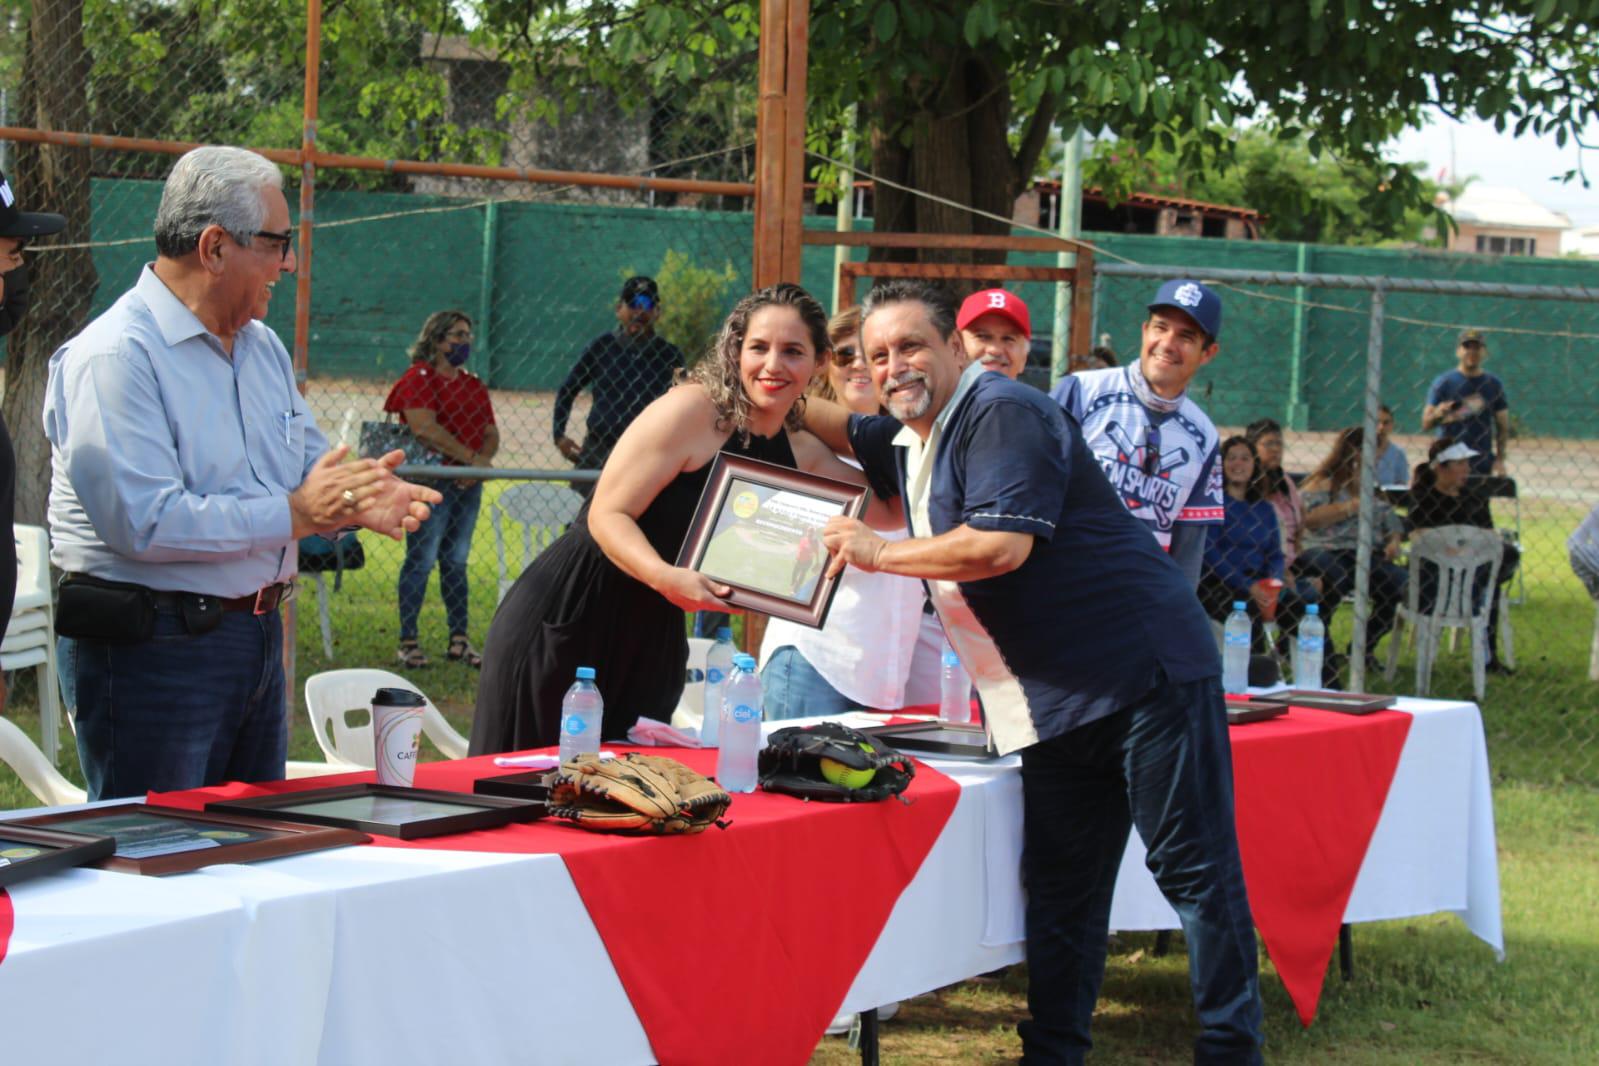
[906, 409]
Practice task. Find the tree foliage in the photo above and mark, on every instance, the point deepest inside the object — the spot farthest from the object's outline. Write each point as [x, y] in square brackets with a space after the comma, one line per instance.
[1304, 198]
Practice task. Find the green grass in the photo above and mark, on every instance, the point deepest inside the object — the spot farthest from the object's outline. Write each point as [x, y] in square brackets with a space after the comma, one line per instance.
[1425, 991]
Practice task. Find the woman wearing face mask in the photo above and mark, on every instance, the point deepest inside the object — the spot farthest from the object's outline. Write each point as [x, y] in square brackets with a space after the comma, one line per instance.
[448, 408]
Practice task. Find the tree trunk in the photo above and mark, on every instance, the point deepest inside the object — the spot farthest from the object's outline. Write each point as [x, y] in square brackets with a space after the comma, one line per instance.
[958, 150]
[55, 76]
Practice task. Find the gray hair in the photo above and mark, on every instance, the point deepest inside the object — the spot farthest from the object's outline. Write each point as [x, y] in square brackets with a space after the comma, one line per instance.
[935, 298]
[213, 186]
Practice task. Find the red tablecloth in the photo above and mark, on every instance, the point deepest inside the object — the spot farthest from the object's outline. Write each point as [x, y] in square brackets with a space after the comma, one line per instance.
[776, 915]
[7, 918]
[1309, 788]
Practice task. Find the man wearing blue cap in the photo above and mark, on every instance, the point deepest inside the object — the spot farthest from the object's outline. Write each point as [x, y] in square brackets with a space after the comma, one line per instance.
[1156, 446]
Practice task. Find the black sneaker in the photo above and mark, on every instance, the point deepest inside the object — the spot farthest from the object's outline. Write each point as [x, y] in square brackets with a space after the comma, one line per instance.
[1499, 668]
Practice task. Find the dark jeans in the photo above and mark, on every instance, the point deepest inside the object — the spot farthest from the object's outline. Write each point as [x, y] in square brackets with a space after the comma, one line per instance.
[445, 538]
[1337, 572]
[1162, 764]
[179, 710]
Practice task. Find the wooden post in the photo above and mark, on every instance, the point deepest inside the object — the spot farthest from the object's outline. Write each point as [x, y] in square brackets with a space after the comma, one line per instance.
[780, 142]
[1082, 339]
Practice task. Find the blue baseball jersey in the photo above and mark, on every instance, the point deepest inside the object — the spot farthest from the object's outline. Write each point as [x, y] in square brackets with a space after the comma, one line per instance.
[1483, 397]
[1164, 467]
[1097, 613]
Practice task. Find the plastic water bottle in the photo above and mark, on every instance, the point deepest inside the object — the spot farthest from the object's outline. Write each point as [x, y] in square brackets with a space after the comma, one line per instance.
[1235, 650]
[736, 768]
[1309, 649]
[581, 712]
[954, 689]
[718, 665]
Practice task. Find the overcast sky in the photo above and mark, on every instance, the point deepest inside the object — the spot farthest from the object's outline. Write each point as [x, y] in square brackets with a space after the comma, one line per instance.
[1531, 164]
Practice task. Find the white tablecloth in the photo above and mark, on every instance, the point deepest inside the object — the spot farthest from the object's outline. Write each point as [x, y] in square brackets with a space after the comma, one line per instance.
[390, 956]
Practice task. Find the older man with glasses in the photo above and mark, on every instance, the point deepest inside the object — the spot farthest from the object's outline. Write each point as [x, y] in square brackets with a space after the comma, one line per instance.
[186, 465]
[1154, 443]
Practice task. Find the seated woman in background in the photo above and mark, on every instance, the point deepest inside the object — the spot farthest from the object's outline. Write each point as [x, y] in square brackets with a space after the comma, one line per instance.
[880, 647]
[1247, 548]
[1332, 534]
[1277, 488]
[1441, 494]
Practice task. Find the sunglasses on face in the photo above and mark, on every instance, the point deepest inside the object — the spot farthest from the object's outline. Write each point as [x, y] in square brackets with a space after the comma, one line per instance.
[642, 302]
[845, 355]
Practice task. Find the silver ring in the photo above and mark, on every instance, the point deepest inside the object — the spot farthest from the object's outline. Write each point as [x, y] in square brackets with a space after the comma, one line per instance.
[349, 497]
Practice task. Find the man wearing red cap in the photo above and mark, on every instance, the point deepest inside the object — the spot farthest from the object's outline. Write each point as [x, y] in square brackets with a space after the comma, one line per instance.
[995, 328]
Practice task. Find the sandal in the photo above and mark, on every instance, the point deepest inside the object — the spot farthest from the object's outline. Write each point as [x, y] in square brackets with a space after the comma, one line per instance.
[461, 651]
[411, 656]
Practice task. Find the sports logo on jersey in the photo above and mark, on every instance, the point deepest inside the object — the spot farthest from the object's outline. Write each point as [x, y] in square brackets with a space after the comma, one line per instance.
[1142, 474]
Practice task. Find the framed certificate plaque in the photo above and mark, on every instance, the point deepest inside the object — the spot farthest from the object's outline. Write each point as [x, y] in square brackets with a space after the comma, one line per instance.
[759, 530]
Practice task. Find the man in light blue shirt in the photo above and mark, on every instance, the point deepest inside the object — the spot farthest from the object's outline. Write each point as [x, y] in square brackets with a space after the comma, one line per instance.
[185, 466]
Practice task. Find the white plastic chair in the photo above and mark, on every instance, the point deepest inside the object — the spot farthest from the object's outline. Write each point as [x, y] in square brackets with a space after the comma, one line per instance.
[543, 509]
[1459, 554]
[30, 638]
[42, 779]
[691, 705]
[330, 697]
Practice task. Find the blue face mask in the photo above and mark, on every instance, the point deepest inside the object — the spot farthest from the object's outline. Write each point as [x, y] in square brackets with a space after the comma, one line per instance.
[459, 354]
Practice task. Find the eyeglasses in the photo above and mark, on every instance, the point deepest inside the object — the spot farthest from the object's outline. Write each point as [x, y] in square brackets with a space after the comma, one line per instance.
[285, 241]
[1152, 451]
[642, 302]
[846, 354]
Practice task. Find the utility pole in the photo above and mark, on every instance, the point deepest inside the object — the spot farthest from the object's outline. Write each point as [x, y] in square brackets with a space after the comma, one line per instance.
[1070, 217]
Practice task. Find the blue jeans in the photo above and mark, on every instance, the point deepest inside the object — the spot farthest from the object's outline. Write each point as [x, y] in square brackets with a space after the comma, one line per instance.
[179, 710]
[791, 688]
[445, 538]
[1162, 764]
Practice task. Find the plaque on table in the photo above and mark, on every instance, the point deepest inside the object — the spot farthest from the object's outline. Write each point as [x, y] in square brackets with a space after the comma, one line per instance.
[168, 840]
[27, 852]
[944, 739]
[1252, 709]
[525, 785]
[758, 529]
[1323, 700]
[389, 810]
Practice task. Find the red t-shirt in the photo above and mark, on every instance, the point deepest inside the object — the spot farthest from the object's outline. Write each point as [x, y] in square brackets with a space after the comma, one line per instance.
[461, 404]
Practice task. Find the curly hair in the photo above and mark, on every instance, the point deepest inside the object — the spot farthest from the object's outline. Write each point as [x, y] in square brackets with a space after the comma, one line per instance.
[718, 372]
[433, 330]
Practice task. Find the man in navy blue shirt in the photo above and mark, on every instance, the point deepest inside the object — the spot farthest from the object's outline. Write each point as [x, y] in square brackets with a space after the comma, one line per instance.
[1469, 404]
[625, 369]
[1091, 653]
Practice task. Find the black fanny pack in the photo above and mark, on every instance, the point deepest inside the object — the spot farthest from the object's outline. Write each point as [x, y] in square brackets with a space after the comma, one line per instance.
[120, 612]
[92, 608]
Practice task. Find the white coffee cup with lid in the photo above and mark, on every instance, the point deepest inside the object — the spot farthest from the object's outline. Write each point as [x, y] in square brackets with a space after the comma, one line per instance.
[396, 734]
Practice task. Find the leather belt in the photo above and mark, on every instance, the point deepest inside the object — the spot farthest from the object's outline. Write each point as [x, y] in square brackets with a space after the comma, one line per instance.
[267, 600]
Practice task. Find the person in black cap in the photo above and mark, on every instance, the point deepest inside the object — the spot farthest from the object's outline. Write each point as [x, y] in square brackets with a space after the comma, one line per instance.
[624, 369]
[17, 228]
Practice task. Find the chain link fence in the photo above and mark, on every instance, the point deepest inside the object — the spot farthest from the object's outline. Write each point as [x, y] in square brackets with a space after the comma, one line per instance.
[454, 171]
[1318, 354]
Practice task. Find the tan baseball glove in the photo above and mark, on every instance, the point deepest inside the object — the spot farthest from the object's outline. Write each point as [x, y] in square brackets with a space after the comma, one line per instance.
[635, 794]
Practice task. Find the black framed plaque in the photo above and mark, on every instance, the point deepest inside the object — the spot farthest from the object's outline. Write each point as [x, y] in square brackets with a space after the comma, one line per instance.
[389, 810]
[27, 852]
[527, 785]
[758, 529]
[169, 840]
[936, 738]
[1321, 700]
[1240, 711]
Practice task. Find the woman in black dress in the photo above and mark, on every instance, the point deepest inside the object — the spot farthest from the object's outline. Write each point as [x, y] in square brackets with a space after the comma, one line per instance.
[605, 594]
